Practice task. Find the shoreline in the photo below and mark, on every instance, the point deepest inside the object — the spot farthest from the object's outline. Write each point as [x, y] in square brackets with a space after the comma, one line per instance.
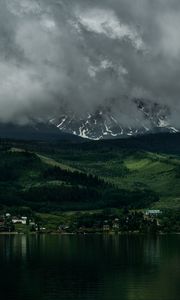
[90, 233]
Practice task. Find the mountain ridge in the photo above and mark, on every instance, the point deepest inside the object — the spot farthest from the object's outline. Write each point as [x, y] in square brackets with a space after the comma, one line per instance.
[104, 124]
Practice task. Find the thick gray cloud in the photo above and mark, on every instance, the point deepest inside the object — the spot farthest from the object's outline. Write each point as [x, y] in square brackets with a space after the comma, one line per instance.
[83, 53]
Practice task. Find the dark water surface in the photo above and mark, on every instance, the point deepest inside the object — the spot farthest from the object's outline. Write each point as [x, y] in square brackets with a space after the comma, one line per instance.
[90, 267]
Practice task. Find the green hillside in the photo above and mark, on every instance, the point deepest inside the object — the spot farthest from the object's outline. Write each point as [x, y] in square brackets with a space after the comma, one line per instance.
[39, 182]
[51, 177]
[127, 169]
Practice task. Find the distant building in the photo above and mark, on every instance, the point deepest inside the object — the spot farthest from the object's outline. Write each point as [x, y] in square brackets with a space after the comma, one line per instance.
[106, 226]
[115, 224]
[7, 215]
[32, 223]
[22, 220]
[153, 212]
[16, 221]
[42, 228]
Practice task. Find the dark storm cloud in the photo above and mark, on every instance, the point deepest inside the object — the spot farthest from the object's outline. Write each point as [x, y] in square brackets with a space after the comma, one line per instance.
[83, 53]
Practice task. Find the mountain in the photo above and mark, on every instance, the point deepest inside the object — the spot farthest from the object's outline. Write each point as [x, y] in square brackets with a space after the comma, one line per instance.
[34, 131]
[103, 123]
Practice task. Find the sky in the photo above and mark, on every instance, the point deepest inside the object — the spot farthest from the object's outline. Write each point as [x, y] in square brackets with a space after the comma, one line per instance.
[82, 54]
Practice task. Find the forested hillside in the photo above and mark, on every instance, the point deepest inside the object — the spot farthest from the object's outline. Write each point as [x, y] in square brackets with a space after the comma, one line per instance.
[63, 176]
[27, 179]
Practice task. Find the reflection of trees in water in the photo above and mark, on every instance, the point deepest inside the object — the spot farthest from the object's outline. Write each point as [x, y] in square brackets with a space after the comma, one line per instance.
[152, 250]
[90, 267]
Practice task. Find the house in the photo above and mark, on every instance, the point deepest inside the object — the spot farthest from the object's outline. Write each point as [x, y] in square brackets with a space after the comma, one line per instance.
[32, 223]
[22, 220]
[153, 212]
[16, 220]
[106, 226]
[7, 215]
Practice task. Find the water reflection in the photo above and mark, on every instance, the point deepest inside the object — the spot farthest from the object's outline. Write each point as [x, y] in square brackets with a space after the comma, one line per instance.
[90, 267]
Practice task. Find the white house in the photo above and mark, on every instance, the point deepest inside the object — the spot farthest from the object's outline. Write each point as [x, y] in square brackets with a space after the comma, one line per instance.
[153, 212]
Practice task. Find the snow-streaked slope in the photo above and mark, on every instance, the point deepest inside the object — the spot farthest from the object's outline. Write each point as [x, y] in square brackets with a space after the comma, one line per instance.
[103, 124]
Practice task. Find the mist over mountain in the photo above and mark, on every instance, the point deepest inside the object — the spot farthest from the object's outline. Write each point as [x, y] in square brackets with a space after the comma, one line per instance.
[57, 54]
[106, 123]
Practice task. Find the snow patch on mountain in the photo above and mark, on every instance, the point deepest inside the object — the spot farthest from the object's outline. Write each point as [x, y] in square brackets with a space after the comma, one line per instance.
[103, 124]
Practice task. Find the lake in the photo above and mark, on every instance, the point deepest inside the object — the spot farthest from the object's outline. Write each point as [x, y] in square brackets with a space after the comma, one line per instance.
[90, 267]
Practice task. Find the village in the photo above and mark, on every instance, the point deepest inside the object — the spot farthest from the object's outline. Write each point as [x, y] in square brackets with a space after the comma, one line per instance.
[16, 224]
[132, 222]
[146, 221]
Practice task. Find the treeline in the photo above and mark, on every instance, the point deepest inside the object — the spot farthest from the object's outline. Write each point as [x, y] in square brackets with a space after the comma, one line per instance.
[170, 220]
[62, 197]
[54, 197]
[75, 177]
